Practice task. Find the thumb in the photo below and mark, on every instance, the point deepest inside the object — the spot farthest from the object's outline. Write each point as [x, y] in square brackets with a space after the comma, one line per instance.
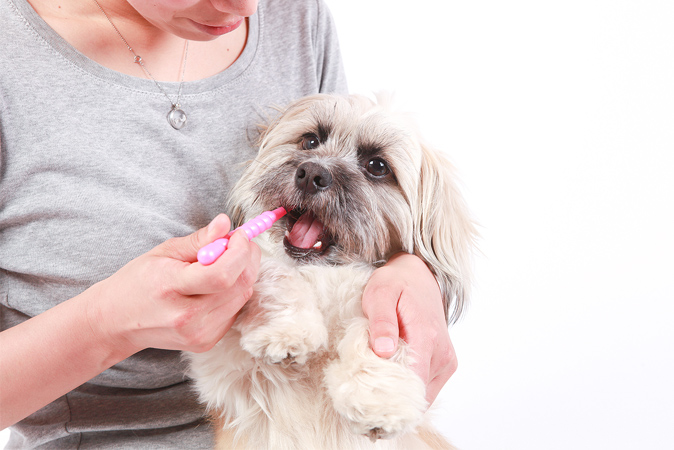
[380, 308]
[186, 248]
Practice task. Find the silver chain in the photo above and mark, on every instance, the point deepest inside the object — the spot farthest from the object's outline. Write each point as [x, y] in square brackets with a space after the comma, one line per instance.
[138, 60]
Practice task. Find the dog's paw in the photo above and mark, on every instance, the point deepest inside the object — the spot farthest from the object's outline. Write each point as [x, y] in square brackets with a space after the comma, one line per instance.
[379, 398]
[285, 344]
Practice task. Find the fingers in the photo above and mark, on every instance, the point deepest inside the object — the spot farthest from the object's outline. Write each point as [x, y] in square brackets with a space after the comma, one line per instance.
[434, 359]
[201, 335]
[444, 369]
[237, 267]
[428, 338]
[186, 248]
[380, 308]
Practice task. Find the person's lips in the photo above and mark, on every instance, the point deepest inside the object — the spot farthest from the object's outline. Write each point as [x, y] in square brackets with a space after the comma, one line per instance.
[220, 30]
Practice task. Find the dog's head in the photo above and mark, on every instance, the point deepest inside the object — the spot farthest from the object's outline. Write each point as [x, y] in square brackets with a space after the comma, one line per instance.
[359, 185]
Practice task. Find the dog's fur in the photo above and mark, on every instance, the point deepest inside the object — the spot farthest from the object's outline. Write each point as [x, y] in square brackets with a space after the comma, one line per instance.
[296, 370]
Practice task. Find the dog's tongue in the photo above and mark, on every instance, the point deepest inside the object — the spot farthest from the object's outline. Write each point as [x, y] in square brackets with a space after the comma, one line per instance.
[305, 232]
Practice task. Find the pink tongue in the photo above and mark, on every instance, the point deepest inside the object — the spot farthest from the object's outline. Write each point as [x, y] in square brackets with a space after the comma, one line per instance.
[305, 232]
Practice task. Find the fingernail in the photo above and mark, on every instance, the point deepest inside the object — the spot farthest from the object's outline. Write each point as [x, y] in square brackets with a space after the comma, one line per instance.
[384, 345]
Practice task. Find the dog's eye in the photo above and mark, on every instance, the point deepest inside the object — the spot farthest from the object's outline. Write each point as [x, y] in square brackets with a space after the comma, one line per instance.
[378, 167]
[309, 142]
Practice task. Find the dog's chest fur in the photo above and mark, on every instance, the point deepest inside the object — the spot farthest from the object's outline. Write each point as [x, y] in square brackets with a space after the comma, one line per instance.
[296, 371]
[333, 290]
[305, 307]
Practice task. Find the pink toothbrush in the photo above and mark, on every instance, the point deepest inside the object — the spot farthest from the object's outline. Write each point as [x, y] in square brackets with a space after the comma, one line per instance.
[208, 254]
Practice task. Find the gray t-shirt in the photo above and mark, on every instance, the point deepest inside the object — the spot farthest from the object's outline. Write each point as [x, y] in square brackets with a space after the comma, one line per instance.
[92, 175]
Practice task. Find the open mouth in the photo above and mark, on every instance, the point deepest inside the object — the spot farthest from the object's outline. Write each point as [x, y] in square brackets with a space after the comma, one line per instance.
[306, 235]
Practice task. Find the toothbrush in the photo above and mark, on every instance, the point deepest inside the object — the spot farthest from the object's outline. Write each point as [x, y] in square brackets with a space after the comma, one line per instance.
[211, 252]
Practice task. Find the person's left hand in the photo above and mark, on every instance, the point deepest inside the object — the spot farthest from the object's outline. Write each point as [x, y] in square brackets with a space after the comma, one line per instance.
[402, 299]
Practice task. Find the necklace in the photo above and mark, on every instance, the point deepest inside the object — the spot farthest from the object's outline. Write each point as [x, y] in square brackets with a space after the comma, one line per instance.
[176, 116]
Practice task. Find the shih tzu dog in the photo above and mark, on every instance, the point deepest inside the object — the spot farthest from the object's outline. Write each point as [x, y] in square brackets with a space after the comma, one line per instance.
[296, 370]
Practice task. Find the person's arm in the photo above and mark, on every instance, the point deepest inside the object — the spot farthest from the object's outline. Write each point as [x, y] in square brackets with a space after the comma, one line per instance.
[162, 299]
[47, 356]
[402, 299]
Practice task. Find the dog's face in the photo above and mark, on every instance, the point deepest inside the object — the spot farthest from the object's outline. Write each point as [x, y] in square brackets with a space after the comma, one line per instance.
[358, 186]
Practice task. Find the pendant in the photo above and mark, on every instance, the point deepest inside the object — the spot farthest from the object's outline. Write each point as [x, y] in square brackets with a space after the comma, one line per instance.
[176, 117]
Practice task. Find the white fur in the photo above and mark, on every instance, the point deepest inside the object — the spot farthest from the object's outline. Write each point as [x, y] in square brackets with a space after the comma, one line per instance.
[296, 370]
[344, 388]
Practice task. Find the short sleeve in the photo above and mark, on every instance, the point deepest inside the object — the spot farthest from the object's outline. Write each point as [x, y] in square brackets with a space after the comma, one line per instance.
[329, 64]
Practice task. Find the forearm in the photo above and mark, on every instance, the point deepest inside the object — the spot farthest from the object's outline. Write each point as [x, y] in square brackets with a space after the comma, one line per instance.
[163, 299]
[47, 356]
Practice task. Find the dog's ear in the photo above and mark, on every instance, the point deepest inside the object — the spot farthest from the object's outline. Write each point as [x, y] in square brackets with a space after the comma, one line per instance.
[444, 233]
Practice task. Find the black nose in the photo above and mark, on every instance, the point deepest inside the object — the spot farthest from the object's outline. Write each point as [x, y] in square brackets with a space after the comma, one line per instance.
[311, 178]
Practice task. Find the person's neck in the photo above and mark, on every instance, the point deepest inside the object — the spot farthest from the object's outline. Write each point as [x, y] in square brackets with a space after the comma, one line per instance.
[162, 52]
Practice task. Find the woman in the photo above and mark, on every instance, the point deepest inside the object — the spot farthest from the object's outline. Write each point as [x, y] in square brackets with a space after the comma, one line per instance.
[123, 124]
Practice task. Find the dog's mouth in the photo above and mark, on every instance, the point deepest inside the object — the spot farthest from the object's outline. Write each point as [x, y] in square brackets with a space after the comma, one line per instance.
[306, 235]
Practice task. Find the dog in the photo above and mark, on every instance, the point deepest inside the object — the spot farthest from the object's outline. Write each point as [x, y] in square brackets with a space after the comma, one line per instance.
[296, 371]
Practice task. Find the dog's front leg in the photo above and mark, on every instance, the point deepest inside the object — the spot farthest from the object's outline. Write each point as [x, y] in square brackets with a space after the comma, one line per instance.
[380, 398]
[282, 322]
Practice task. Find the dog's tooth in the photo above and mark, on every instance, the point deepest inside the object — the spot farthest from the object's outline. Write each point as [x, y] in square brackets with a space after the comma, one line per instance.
[318, 244]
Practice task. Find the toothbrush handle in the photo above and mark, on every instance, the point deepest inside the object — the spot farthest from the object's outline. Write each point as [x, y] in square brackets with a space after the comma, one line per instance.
[211, 252]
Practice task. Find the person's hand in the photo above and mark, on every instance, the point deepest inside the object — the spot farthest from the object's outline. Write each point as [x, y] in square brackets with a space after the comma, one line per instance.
[165, 299]
[402, 299]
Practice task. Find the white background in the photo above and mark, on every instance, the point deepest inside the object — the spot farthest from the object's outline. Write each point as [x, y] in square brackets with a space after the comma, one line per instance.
[559, 116]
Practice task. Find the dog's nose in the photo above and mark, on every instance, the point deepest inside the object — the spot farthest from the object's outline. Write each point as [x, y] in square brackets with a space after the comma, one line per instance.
[311, 178]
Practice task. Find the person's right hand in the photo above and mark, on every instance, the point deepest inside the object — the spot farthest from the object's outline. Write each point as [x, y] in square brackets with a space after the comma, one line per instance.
[166, 299]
